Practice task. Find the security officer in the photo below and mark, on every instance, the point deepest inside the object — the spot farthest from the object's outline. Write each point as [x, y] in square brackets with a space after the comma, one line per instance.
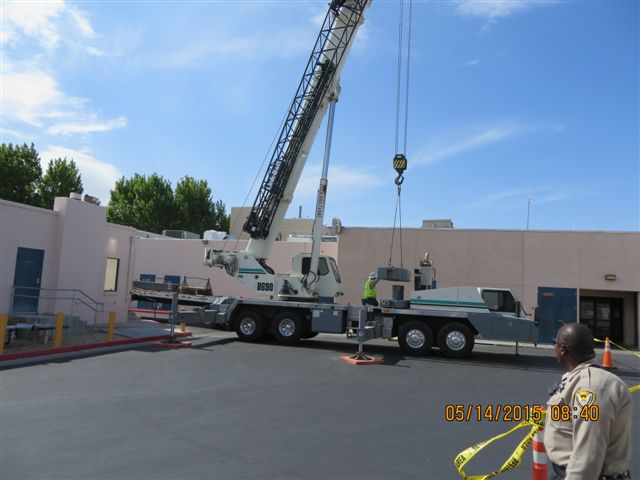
[370, 290]
[588, 428]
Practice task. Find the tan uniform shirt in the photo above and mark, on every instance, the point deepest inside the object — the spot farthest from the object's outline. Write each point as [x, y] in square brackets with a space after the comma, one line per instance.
[588, 426]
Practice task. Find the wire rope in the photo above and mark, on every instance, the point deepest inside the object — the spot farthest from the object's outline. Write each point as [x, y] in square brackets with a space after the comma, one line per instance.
[397, 217]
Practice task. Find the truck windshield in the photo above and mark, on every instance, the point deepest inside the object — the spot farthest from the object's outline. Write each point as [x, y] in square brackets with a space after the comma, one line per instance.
[499, 301]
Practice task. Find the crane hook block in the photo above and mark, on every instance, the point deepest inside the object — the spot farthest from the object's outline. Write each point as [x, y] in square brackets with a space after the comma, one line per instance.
[400, 163]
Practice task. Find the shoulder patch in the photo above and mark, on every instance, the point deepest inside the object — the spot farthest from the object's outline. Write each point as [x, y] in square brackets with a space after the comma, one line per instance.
[585, 397]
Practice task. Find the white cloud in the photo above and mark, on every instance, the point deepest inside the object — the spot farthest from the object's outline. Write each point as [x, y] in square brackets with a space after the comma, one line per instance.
[517, 198]
[14, 134]
[30, 92]
[451, 145]
[32, 96]
[344, 182]
[49, 23]
[507, 196]
[98, 178]
[491, 9]
[89, 127]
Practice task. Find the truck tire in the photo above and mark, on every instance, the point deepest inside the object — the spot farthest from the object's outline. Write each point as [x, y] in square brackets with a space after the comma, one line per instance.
[456, 340]
[249, 326]
[415, 338]
[288, 328]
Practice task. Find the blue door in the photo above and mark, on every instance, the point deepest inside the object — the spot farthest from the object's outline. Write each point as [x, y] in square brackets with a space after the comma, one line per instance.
[27, 279]
[146, 304]
[556, 306]
[175, 280]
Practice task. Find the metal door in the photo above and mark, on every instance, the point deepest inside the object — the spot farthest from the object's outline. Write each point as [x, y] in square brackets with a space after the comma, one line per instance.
[603, 316]
[27, 279]
[146, 304]
[174, 279]
[556, 306]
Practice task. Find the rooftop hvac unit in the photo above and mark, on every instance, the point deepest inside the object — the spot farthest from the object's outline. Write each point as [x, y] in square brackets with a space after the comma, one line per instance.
[183, 234]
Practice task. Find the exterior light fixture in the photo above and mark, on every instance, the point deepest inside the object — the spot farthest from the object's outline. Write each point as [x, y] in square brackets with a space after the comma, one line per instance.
[610, 277]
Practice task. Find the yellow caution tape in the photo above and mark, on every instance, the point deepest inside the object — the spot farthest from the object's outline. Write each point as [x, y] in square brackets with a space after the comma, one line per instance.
[513, 461]
[631, 389]
[619, 346]
[516, 457]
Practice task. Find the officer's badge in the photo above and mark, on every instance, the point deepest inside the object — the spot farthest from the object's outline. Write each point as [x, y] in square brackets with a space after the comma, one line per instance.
[585, 398]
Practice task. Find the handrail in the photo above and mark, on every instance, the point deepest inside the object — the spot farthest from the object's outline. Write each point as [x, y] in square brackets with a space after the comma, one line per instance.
[74, 290]
[97, 307]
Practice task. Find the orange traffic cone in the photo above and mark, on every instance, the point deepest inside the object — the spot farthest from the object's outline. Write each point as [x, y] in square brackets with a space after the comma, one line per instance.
[607, 361]
[539, 467]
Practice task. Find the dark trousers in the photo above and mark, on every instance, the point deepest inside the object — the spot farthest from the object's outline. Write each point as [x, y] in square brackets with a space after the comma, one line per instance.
[370, 301]
[561, 472]
[558, 472]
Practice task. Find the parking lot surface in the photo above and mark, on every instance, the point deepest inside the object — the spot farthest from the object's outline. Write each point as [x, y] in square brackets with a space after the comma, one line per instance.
[231, 410]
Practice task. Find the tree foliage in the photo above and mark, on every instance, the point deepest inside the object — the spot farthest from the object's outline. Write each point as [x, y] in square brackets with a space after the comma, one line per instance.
[145, 203]
[149, 204]
[20, 172]
[23, 182]
[61, 178]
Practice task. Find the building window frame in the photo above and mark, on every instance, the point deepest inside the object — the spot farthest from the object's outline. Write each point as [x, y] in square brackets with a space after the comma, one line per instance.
[111, 277]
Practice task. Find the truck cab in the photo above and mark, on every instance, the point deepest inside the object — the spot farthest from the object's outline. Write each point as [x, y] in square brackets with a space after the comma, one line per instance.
[328, 284]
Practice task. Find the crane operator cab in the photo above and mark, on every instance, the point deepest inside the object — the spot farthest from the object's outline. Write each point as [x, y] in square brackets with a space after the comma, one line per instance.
[326, 283]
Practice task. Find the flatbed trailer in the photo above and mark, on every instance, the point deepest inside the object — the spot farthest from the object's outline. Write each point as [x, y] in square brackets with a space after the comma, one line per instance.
[452, 329]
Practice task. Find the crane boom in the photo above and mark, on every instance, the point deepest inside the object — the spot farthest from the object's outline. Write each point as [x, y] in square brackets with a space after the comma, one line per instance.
[318, 86]
[312, 277]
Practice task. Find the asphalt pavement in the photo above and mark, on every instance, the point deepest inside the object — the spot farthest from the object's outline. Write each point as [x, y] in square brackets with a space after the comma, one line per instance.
[224, 409]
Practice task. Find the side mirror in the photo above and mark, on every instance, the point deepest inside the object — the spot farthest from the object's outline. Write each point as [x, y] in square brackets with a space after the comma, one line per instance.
[536, 316]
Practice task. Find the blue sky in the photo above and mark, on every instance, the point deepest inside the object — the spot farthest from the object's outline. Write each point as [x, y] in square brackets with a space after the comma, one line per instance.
[506, 98]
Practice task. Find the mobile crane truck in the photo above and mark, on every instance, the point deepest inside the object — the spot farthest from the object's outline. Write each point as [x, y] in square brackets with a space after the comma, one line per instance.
[301, 304]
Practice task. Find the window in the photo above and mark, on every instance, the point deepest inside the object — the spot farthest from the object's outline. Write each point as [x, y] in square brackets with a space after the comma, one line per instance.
[323, 269]
[111, 275]
[499, 301]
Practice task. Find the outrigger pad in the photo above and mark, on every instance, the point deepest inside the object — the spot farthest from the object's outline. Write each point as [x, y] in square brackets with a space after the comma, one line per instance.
[395, 274]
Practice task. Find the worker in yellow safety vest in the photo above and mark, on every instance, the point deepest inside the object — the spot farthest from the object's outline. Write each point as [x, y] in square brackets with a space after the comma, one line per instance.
[369, 297]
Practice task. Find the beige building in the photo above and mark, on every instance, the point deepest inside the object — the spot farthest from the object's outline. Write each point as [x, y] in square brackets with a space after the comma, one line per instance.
[591, 277]
[72, 260]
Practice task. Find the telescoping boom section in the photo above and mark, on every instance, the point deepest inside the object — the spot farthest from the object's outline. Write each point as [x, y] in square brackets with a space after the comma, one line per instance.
[318, 88]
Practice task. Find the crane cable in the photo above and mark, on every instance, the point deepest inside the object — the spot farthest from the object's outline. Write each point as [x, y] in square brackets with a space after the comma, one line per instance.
[400, 160]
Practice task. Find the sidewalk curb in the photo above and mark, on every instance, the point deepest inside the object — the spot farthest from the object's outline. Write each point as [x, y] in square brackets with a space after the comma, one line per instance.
[104, 346]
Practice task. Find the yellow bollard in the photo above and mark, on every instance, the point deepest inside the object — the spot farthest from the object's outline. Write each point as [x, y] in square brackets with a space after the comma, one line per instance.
[4, 320]
[112, 326]
[57, 342]
[183, 327]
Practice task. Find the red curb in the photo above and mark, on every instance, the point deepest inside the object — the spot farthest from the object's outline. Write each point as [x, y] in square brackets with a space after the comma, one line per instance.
[87, 346]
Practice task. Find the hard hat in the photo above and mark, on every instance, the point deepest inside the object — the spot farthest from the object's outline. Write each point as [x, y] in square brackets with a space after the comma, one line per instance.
[373, 275]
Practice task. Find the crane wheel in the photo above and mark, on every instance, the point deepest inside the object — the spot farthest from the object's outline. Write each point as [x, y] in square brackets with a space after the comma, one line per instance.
[456, 340]
[288, 327]
[249, 326]
[415, 338]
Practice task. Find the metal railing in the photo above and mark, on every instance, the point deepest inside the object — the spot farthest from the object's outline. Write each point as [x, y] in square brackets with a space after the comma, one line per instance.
[74, 296]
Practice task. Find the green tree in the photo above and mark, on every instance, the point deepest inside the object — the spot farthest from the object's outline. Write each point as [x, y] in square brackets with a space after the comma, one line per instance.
[196, 211]
[145, 203]
[20, 172]
[223, 220]
[61, 178]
